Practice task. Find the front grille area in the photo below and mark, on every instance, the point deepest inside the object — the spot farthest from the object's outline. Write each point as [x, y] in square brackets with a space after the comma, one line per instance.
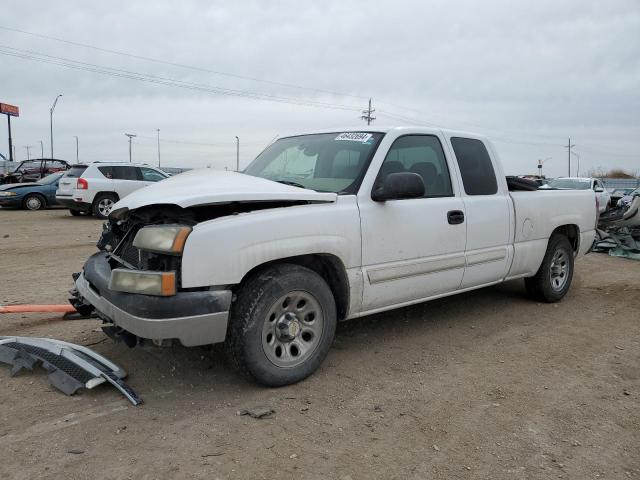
[143, 260]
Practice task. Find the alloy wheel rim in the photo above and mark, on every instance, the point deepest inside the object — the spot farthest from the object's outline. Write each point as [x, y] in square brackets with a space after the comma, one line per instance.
[292, 329]
[104, 206]
[559, 270]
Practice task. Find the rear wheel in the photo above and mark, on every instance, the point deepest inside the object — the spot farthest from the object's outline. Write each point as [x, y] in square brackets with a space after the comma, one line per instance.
[553, 279]
[33, 201]
[282, 325]
[103, 204]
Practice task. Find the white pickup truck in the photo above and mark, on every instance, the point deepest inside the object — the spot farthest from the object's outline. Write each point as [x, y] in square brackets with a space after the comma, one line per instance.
[320, 228]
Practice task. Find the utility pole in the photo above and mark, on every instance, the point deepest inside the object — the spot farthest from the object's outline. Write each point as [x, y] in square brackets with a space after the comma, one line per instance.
[569, 146]
[158, 130]
[578, 157]
[28, 147]
[41, 149]
[77, 150]
[237, 154]
[366, 114]
[130, 135]
[53, 107]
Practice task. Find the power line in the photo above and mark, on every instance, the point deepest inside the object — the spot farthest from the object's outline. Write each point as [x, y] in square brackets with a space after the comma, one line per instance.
[181, 65]
[91, 67]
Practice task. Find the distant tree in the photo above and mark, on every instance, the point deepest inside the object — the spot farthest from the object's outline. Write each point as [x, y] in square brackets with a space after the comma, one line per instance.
[600, 172]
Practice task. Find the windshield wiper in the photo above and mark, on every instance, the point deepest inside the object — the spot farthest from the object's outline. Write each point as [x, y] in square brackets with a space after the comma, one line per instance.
[293, 184]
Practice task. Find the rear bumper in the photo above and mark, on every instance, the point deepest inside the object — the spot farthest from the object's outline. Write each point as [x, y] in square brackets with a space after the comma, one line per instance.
[194, 318]
[69, 202]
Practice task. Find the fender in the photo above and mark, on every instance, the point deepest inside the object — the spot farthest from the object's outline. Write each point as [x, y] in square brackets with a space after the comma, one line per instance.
[223, 250]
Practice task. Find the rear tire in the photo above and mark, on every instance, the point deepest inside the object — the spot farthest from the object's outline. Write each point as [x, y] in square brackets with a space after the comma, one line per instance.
[102, 205]
[33, 201]
[553, 279]
[281, 325]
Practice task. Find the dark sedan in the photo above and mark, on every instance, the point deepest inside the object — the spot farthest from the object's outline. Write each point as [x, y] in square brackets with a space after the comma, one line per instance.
[31, 196]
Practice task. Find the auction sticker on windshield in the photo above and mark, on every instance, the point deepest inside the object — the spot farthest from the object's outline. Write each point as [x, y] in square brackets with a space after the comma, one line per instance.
[355, 137]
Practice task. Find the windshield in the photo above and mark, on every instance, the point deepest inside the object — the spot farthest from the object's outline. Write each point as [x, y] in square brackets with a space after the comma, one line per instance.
[570, 183]
[50, 178]
[331, 162]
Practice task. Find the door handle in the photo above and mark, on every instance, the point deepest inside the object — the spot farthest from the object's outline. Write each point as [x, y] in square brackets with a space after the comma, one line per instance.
[455, 217]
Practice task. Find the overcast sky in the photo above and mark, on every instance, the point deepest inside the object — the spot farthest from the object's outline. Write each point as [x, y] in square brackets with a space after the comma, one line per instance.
[527, 74]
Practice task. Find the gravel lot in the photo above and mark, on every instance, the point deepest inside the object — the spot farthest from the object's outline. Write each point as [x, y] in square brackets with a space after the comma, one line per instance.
[483, 385]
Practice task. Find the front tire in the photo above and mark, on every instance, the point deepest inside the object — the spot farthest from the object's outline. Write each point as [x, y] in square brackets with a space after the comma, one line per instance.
[553, 279]
[103, 204]
[33, 201]
[282, 325]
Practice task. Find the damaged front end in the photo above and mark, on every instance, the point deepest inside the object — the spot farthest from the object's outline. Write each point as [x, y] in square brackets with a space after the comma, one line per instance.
[134, 283]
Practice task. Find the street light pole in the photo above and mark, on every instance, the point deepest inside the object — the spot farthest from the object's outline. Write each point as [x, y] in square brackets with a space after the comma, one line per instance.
[28, 147]
[41, 149]
[53, 107]
[130, 135]
[578, 157]
[77, 149]
[237, 153]
[158, 130]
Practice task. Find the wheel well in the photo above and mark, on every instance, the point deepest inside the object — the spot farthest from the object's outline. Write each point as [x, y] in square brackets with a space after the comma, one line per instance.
[572, 232]
[329, 267]
[113, 194]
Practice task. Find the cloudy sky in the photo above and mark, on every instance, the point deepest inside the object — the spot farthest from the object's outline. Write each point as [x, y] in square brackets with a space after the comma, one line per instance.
[527, 74]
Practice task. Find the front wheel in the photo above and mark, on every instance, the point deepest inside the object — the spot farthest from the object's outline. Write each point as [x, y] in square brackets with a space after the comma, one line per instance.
[553, 279]
[282, 325]
[33, 202]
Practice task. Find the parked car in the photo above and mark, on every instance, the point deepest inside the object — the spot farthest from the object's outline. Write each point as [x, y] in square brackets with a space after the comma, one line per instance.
[31, 196]
[33, 170]
[581, 183]
[95, 188]
[321, 228]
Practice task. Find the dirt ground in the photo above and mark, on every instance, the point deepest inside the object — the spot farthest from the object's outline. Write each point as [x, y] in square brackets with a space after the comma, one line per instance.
[483, 385]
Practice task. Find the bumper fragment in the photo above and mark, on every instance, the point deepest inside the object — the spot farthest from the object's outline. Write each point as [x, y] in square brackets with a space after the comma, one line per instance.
[71, 367]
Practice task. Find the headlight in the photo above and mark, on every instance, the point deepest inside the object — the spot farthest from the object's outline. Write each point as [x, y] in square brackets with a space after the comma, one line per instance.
[162, 238]
[8, 194]
[146, 283]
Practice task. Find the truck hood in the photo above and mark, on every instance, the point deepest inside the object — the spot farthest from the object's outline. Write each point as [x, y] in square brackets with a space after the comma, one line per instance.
[207, 186]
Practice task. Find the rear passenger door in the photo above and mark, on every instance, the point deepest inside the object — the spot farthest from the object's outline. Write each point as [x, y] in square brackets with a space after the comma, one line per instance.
[412, 249]
[488, 211]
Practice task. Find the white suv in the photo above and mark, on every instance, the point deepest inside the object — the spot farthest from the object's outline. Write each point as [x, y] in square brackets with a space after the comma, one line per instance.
[94, 188]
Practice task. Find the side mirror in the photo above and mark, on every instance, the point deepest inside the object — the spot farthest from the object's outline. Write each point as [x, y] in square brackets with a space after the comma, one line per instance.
[397, 186]
[599, 190]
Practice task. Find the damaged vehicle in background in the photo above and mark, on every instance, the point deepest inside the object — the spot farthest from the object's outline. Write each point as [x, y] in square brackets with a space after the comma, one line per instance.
[321, 228]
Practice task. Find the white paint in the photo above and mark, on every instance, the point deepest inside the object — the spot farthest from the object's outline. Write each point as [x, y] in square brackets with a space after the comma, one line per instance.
[395, 253]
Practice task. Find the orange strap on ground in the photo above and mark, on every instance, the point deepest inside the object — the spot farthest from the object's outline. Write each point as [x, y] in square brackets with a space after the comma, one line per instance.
[36, 308]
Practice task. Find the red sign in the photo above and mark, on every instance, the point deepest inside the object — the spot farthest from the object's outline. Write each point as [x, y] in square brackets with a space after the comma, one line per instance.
[9, 109]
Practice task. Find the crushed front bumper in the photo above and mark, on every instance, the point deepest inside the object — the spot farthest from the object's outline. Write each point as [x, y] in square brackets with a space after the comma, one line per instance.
[194, 318]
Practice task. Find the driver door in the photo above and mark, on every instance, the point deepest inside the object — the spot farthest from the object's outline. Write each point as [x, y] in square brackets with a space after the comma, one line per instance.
[413, 249]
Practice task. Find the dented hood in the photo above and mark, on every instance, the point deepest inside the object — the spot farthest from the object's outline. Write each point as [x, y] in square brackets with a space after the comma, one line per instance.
[207, 186]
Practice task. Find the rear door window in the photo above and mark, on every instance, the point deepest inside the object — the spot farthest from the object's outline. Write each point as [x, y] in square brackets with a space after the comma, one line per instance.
[476, 169]
[125, 173]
